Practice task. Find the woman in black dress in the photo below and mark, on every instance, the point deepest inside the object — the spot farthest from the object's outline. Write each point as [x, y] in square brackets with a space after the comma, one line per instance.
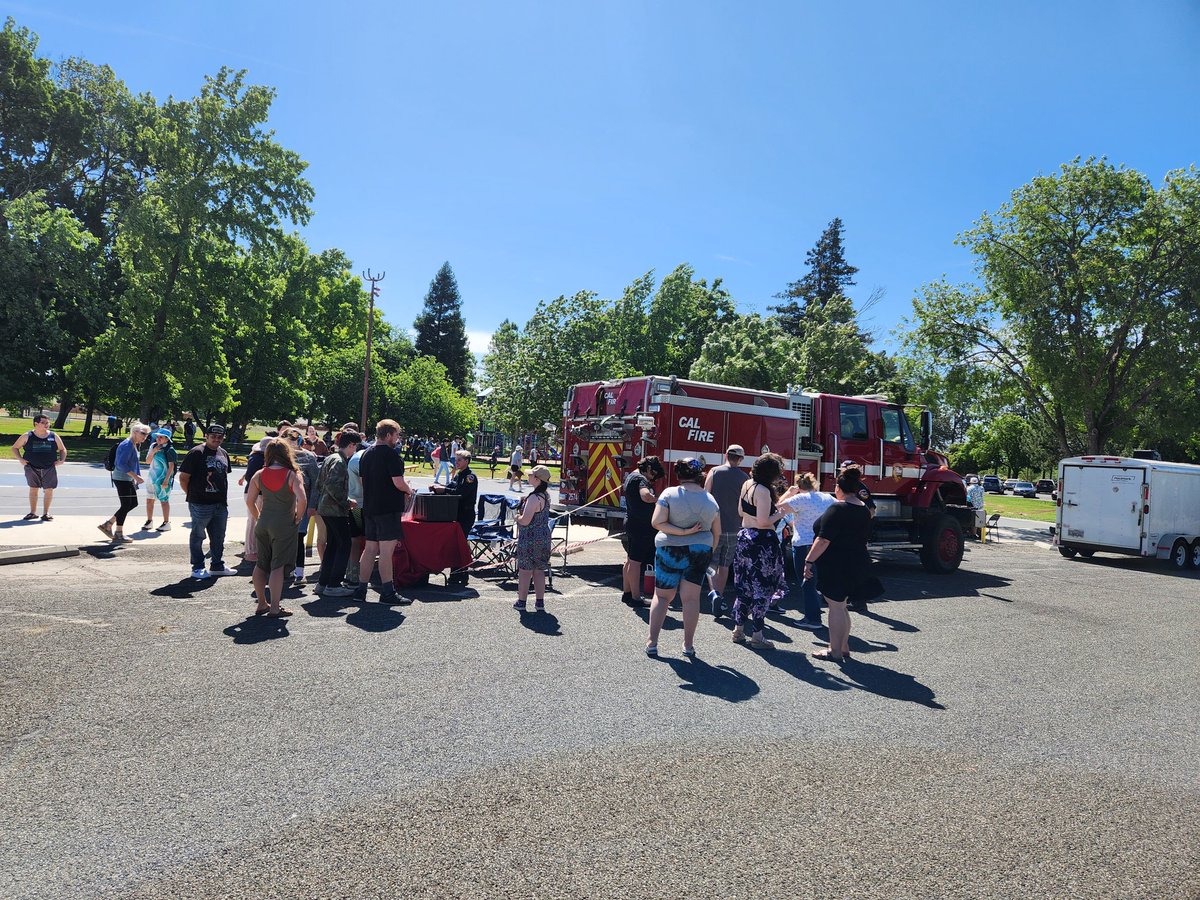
[841, 547]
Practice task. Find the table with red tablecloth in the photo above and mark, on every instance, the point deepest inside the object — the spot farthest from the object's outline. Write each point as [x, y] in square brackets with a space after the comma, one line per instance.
[428, 547]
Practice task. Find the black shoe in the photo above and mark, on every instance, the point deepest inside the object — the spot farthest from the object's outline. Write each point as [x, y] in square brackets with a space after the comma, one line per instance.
[627, 598]
[675, 605]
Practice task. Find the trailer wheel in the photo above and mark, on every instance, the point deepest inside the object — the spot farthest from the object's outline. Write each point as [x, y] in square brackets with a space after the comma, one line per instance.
[1196, 554]
[942, 546]
[1181, 555]
[1087, 554]
[1067, 551]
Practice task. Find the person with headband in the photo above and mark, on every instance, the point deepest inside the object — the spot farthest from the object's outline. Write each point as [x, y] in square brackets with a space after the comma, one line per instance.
[839, 552]
[688, 522]
[758, 561]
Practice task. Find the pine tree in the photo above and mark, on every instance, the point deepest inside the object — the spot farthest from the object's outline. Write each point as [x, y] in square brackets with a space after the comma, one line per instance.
[828, 276]
[441, 332]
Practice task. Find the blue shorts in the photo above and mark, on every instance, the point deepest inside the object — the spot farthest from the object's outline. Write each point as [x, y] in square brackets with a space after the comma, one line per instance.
[675, 564]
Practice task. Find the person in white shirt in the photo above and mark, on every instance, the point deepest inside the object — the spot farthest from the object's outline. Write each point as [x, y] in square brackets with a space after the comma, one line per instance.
[805, 504]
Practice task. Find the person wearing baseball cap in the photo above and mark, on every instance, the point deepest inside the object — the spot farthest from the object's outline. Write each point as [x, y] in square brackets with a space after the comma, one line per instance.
[725, 482]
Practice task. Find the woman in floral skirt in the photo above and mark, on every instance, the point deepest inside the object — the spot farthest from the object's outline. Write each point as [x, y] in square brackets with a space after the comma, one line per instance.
[758, 559]
[533, 540]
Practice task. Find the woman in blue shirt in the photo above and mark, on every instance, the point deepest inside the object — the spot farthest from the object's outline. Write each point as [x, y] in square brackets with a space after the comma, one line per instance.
[126, 476]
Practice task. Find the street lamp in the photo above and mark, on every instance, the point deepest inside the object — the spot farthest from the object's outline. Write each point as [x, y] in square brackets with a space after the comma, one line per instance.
[374, 279]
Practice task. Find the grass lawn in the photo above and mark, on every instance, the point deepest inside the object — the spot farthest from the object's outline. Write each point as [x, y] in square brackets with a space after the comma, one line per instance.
[1019, 507]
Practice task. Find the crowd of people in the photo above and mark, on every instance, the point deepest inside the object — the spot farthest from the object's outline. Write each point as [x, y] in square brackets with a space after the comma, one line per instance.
[708, 526]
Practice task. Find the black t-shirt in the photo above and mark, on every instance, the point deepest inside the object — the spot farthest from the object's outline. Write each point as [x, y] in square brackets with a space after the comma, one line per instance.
[464, 483]
[377, 467]
[847, 527]
[637, 510]
[208, 472]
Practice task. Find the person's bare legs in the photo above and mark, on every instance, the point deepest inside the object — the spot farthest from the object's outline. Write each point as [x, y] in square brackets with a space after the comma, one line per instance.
[387, 550]
[720, 578]
[149, 509]
[524, 576]
[631, 574]
[33, 501]
[658, 612]
[366, 562]
[839, 628]
[322, 538]
[259, 576]
[166, 509]
[47, 496]
[689, 595]
[276, 586]
[539, 586]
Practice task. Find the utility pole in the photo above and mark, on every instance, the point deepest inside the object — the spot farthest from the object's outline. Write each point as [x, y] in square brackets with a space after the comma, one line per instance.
[374, 279]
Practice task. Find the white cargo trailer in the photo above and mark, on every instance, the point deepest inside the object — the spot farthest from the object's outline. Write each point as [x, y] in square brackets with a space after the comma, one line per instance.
[1139, 507]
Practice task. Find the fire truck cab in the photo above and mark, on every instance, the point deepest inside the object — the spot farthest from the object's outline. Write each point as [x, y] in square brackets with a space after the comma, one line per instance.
[610, 426]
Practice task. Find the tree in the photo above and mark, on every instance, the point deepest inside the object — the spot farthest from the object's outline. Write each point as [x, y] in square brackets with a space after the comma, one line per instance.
[1088, 305]
[499, 378]
[750, 352]
[681, 315]
[441, 332]
[828, 276]
[422, 399]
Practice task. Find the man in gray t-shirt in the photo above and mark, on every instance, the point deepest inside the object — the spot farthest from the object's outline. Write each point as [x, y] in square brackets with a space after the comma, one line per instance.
[725, 484]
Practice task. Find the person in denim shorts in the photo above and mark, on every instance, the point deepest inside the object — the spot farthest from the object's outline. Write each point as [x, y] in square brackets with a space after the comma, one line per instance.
[688, 524]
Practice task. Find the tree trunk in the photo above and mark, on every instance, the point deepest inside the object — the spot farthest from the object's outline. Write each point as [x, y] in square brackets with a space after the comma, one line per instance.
[65, 405]
[91, 408]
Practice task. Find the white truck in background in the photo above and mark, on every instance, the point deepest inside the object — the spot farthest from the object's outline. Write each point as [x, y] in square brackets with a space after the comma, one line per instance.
[1138, 507]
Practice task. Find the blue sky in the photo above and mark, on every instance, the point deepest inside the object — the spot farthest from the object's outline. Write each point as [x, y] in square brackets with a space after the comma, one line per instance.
[545, 148]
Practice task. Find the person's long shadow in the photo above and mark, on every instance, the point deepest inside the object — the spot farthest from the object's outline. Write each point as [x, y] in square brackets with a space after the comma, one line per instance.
[889, 683]
[798, 666]
[541, 623]
[326, 608]
[184, 589]
[670, 623]
[376, 617]
[722, 682]
[894, 624]
[256, 629]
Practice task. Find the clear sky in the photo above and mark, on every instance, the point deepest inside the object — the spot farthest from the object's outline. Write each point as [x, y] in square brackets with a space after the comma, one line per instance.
[545, 148]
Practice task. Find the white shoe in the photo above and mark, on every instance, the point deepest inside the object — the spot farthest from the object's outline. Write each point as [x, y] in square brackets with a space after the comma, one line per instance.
[165, 526]
[225, 571]
[200, 573]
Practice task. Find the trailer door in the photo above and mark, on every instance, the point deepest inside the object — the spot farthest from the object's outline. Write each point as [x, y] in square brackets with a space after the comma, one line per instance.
[1103, 505]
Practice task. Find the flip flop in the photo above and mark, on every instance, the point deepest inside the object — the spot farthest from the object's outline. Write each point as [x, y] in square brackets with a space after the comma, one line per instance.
[282, 614]
[262, 612]
[826, 655]
[47, 518]
[29, 518]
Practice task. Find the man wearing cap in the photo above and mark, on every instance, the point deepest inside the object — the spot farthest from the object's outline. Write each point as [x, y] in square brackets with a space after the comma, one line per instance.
[44, 453]
[725, 482]
[204, 477]
[465, 485]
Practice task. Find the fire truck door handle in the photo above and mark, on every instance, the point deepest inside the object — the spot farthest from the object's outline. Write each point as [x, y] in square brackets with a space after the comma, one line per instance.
[881, 457]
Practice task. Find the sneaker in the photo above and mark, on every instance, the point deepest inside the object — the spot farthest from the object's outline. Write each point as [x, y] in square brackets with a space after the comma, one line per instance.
[808, 626]
[319, 590]
[627, 598]
[224, 570]
[338, 592]
[120, 538]
[689, 652]
[520, 606]
[360, 591]
[299, 582]
[539, 605]
[147, 525]
[201, 574]
[165, 526]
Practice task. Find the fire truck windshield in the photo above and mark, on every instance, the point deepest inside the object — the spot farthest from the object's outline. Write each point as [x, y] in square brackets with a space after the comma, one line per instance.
[896, 430]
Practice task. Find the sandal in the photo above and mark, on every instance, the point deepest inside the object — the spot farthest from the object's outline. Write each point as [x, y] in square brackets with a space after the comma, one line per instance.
[263, 611]
[652, 651]
[106, 530]
[739, 636]
[825, 654]
[30, 517]
[760, 644]
[47, 518]
[689, 652]
[282, 614]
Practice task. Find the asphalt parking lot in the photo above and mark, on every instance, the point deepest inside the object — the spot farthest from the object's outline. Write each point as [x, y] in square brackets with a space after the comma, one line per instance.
[1026, 727]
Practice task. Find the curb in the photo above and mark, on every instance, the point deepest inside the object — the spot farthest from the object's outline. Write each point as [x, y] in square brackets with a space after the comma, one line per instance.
[35, 554]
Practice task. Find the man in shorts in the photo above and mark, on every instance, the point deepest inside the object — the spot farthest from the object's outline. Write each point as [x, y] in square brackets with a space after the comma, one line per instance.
[639, 533]
[385, 497]
[725, 482]
[44, 452]
[514, 469]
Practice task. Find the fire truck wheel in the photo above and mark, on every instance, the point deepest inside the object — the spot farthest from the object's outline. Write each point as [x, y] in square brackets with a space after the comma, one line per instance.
[942, 546]
[1067, 552]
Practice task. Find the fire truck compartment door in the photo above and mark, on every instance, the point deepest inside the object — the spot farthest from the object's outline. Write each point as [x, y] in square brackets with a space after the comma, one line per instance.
[763, 434]
[603, 473]
[1102, 505]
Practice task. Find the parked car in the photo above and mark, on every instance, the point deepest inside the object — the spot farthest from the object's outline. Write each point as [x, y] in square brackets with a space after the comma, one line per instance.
[992, 485]
[1024, 489]
[1045, 486]
[1009, 484]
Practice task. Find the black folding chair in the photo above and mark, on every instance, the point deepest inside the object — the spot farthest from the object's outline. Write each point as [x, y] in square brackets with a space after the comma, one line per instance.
[491, 539]
[992, 527]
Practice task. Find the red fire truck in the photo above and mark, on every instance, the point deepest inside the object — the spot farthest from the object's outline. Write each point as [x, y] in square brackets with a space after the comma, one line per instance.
[609, 426]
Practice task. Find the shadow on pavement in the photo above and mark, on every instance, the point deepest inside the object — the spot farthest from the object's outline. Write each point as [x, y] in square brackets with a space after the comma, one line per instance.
[889, 683]
[894, 624]
[375, 617]
[902, 583]
[256, 629]
[670, 623]
[541, 623]
[184, 589]
[798, 666]
[722, 682]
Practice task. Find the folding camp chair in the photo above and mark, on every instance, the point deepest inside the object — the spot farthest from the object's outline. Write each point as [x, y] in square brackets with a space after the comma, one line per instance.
[491, 539]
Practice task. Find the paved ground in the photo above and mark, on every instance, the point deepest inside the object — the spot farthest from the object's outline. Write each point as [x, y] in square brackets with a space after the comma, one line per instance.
[1026, 727]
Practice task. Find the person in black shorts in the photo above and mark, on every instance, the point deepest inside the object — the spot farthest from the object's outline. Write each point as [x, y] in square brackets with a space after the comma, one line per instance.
[639, 533]
[385, 497]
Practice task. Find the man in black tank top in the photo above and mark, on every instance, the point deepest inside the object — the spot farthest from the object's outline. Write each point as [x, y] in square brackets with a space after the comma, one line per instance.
[43, 453]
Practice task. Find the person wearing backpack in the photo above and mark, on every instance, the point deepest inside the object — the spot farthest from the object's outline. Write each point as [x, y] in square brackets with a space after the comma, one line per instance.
[126, 469]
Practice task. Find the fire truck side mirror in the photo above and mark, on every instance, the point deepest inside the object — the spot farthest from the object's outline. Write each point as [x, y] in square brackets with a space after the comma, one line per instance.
[926, 429]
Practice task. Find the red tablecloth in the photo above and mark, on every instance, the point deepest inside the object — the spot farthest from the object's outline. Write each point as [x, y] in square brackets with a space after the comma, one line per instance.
[428, 547]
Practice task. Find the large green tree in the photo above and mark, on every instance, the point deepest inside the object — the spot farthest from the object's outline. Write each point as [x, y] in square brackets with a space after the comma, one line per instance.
[441, 331]
[827, 277]
[1087, 303]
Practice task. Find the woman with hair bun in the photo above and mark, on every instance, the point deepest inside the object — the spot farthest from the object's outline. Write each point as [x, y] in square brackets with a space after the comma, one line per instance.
[758, 559]
[841, 548]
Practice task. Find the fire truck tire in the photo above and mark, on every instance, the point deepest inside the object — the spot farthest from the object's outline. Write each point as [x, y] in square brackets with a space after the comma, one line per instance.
[1067, 552]
[942, 545]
